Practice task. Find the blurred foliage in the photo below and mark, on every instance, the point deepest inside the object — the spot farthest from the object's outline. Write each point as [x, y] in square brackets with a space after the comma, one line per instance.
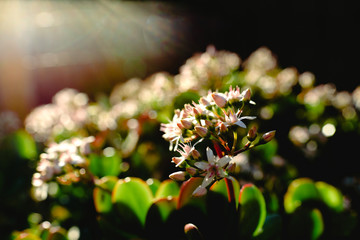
[83, 168]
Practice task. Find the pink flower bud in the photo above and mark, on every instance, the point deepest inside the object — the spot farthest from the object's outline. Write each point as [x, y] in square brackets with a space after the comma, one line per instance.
[219, 100]
[196, 112]
[187, 124]
[204, 102]
[201, 131]
[177, 160]
[247, 95]
[195, 154]
[190, 227]
[208, 123]
[178, 176]
[223, 127]
[191, 170]
[180, 125]
[267, 137]
[231, 167]
[251, 136]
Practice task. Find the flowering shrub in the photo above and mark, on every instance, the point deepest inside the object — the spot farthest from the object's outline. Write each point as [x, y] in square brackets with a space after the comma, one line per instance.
[188, 156]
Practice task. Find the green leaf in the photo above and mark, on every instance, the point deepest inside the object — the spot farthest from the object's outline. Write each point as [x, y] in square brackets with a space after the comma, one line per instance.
[27, 236]
[167, 188]
[306, 223]
[158, 214]
[101, 165]
[271, 229]
[252, 211]
[133, 198]
[102, 194]
[219, 207]
[220, 187]
[185, 194]
[185, 97]
[24, 144]
[331, 196]
[154, 184]
[299, 190]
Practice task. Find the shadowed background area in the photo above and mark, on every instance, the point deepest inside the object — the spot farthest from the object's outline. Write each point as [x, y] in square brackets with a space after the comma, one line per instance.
[92, 45]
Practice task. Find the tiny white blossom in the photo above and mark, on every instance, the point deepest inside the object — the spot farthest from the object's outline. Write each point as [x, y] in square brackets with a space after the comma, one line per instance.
[235, 119]
[213, 170]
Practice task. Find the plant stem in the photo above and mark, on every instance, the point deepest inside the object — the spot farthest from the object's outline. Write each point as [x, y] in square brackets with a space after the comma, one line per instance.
[234, 143]
[229, 184]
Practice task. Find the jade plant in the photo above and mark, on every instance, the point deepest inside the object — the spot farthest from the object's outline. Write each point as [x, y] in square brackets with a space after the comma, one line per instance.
[117, 167]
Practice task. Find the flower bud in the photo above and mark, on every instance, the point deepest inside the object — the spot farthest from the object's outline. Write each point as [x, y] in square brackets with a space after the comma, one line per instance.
[192, 232]
[231, 167]
[195, 154]
[179, 124]
[191, 170]
[177, 160]
[219, 100]
[201, 131]
[208, 123]
[267, 137]
[223, 127]
[187, 124]
[247, 95]
[252, 134]
[204, 102]
[178, 176]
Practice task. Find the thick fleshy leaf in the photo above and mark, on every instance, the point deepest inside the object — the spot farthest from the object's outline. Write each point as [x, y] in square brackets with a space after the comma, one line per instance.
[102, 194]
[331, 196]
[27, 236]
[133, 198]
[272, 228]
[101, 165]
[299, 190]
[220, 187]
[186, 191]
[219, 206]
[252, 208]
[25, 145]
[168, 188]
[158, 214]
[153, 184]
[306, 223]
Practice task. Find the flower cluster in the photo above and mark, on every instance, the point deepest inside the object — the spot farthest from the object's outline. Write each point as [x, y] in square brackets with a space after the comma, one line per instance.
[216, 117]
[60, 158]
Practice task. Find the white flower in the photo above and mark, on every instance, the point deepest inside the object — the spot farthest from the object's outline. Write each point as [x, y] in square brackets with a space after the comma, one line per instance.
[172, 130]
[235, 119]
[213, 170]
[186, 152]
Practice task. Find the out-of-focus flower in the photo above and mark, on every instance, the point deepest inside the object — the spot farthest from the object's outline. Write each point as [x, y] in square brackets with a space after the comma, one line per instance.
[356, 97]
[58, 155]
[206, 70]
[67, 112]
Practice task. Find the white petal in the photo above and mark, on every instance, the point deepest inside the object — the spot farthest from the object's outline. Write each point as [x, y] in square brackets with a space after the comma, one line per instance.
[199, 191]
[202, 165]
[210, 155]
[247, 117]
[240, 124]
[223, 161]
[208, 179]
